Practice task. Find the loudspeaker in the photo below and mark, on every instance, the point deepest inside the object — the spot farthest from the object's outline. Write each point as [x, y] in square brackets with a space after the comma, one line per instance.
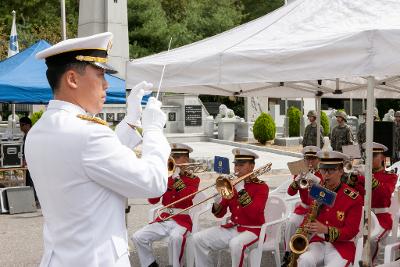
[384, 133]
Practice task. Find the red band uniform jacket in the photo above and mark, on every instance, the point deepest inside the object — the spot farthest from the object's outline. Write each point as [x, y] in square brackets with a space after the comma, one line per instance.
[304, 195]
[247, 209]
[383, 185]
[190, 186]
[343, 221]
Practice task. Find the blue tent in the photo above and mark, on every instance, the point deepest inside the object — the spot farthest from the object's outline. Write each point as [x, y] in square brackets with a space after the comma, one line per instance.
[23, 79]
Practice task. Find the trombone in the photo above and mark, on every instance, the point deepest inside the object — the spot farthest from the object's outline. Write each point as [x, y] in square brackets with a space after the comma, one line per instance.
[225, 187]
[190, 168]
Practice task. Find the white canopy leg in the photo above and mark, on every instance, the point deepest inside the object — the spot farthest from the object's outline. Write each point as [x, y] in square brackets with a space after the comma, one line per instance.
[318, 108]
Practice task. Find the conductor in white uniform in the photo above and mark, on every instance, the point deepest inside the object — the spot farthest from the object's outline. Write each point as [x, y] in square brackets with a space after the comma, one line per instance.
[82, 170]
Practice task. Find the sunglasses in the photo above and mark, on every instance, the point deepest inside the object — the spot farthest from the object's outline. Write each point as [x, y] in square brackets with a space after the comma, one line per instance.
[328, 171]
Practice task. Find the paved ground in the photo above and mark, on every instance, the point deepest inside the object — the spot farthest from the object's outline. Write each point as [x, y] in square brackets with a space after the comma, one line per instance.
[21, 235]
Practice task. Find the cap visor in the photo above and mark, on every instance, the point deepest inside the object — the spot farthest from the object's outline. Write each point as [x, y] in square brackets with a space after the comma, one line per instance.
[104, 66]
[328, 166]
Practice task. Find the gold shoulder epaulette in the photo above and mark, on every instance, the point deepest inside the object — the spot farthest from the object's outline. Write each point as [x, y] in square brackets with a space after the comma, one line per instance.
[257, 181]
[92, 119]
[352, 194]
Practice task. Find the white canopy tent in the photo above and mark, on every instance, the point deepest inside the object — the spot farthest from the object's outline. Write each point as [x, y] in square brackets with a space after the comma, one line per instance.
[329, 48]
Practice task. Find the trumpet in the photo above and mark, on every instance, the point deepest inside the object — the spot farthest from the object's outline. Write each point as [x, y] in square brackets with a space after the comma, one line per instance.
[224, 185]
[189, 168]
[306, 182]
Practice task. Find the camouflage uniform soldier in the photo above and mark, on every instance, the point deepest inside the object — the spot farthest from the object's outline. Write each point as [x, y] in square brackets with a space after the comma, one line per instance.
[310, 133]
[341, 135]
[397, 135]
[362, 130]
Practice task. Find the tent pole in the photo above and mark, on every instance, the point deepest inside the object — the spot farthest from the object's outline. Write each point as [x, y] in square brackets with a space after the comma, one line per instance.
[318, 108]
[366, 255]
[351, 106]
[286, 130]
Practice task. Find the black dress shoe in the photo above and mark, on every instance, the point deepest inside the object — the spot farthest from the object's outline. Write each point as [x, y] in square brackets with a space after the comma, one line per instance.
[154, 264]
[286, 259]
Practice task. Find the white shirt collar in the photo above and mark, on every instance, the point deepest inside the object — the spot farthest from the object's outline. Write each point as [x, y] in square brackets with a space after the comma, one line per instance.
[67, 106]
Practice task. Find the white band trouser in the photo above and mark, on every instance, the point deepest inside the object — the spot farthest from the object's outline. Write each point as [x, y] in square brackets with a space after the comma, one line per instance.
[217, 238]
[144, 238]
[321, 254]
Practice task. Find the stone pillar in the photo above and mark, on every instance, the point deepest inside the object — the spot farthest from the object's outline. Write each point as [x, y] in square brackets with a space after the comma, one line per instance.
[96, 16]
[253, 106]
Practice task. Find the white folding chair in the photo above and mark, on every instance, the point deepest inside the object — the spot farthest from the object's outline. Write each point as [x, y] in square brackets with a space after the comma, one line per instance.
[276, 213]
[375, 230]
[394, 209]
[281, 191]
[194, 214]
[391, 251]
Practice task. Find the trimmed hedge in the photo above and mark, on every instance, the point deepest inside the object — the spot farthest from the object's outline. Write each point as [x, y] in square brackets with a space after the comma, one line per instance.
[325, 123]
[294, 115]
[36, 116]
[264, 128]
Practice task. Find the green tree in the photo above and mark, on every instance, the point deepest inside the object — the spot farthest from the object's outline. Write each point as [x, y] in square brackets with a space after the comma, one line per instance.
[264, 128]
[36, 19]
[36, 116]
[325, 123]
[294, 115]
[256, 8]
[154, 22]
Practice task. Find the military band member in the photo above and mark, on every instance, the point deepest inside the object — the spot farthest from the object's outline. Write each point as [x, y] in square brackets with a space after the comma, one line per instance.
[180, 184]
[335, 227]
[82, 171]
[247, 216]
[296, 218]
[341, 134]
[310, 133]
[397, 135]
[383, 186]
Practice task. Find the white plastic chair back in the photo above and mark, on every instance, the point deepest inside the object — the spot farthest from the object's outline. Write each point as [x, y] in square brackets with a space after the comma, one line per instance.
[193, 212]
[375, 229]
[394, 209]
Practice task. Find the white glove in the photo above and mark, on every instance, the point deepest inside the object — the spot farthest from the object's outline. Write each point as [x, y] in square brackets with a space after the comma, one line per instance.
[153, 117]
[239, 186]
[299, 177]
[217, 199]
[315, 179]
[134, 110]
[176, 173]
[360, 170]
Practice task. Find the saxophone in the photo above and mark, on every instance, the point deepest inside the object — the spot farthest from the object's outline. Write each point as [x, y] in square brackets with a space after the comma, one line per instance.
[298, 243]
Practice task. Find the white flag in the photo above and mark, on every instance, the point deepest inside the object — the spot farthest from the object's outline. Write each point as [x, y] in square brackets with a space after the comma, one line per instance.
[13, 46]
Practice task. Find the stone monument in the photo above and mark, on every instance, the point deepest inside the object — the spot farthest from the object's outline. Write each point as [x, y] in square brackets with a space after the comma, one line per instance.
[96, 16]
[389, 116]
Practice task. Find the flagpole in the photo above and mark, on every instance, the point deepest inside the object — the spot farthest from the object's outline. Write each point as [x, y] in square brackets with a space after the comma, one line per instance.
[13, 49]
[63, 23]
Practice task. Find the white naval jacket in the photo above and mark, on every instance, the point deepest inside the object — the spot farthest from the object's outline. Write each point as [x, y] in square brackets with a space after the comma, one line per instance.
[83, 174]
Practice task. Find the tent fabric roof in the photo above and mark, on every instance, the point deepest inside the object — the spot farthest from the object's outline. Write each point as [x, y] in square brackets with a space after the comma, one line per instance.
[23, 79]
[304, 41]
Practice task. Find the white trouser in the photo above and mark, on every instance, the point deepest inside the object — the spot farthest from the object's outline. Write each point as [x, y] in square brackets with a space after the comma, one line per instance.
[292, 224]
[321, 253]
[377, 242]
[216, 238]
[144, 238]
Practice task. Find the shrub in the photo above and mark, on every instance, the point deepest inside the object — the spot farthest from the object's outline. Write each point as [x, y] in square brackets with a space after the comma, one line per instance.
[264, 128]
[36, 116]
[325, 123]
[294, 115]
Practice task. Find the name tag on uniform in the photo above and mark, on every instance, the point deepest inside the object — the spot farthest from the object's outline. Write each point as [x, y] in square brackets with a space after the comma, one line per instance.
[322, 195]
[221, 165]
